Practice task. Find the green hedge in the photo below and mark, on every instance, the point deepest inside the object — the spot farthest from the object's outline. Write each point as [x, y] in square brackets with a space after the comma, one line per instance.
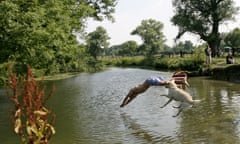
[190, 63]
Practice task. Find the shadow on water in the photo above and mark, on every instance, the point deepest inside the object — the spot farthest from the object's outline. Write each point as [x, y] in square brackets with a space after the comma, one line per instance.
[87, 109]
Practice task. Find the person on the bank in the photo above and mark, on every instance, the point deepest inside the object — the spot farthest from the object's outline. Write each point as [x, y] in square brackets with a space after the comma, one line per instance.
[229, 59]
[208, 53]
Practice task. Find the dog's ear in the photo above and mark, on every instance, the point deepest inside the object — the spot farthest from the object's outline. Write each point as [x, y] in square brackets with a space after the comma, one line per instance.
[186, 83]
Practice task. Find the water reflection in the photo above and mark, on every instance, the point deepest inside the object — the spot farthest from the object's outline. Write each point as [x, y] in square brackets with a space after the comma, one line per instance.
[142, 134]
[214, 120]
[87, 109]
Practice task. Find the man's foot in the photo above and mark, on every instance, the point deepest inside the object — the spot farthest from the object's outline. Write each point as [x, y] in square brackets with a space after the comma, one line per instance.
[122, 105]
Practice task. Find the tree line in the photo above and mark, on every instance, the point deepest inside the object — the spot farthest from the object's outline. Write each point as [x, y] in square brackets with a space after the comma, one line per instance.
[132, 48]
[43, 33]
[202, 18]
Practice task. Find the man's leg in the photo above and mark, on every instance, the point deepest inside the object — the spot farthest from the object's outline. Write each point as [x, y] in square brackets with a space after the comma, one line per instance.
[134, 92]
[130, 96]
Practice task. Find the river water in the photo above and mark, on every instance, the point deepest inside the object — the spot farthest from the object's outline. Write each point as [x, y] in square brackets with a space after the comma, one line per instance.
[88, 112]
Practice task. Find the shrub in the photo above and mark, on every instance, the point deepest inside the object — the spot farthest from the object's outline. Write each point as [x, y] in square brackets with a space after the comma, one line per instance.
[30, 116]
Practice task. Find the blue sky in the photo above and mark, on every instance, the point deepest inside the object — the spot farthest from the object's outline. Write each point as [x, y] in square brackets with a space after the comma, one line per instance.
[130, 13]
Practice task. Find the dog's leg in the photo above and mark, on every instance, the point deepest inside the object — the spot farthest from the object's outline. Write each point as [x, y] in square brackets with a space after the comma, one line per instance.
[167, 102]
[178, 106]
[180, 110]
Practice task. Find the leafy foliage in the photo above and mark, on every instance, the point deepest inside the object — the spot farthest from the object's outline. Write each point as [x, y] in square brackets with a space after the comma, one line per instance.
[129, 48]
[203, 18]
[151, 33]
[41, 33]
[232, 38]
[30, 117]
[191, 63]
[184, 47]
[97, 41]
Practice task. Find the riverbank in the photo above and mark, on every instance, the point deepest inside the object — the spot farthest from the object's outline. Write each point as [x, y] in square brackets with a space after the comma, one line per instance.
[188, 62]
[218, 70]
[227, 73]
[58, 76]
[194, 65]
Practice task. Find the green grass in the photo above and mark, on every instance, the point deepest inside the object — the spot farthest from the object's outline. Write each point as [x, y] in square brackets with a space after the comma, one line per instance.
[189, 62]
[221, 61]
[58, 76]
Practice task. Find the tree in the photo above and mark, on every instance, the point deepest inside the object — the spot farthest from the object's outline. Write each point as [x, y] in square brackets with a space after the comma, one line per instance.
[203, 17]
[232, 38]
[188, 47]
[96, 41]
[129, 48]
[41, 33]
[152, 36]
[183, 48]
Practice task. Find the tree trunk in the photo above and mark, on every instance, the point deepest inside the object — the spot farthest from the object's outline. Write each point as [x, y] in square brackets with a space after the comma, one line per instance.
[214, 45]
[215, 35]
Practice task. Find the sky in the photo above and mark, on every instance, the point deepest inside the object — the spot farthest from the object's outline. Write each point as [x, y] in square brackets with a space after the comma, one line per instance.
[129, 14]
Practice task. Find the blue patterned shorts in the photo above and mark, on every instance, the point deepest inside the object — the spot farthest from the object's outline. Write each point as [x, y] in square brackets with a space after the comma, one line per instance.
[154, 81]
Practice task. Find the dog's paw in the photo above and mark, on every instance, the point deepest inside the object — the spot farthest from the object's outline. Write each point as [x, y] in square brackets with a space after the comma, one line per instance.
[177, 107]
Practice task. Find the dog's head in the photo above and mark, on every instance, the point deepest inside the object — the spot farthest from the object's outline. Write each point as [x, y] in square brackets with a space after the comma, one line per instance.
[171, 84]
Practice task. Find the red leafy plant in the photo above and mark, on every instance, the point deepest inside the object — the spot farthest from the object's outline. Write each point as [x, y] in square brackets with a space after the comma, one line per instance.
[32, 121]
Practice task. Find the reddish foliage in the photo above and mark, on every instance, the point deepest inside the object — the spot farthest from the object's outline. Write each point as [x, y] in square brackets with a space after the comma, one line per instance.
[30, 116]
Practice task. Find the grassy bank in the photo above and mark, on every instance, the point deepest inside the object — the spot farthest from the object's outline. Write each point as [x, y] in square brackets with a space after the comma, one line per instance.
[228, 73]
[192, 63]
[195, 64]
[91, 66]
[188, 62]
[58, 76]
[221, 71]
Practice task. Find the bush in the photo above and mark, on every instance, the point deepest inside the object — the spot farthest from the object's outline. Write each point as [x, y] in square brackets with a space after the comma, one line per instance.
[189, 63]
[193, 63]
[4, 72]
[31, 118]
[123, 61]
